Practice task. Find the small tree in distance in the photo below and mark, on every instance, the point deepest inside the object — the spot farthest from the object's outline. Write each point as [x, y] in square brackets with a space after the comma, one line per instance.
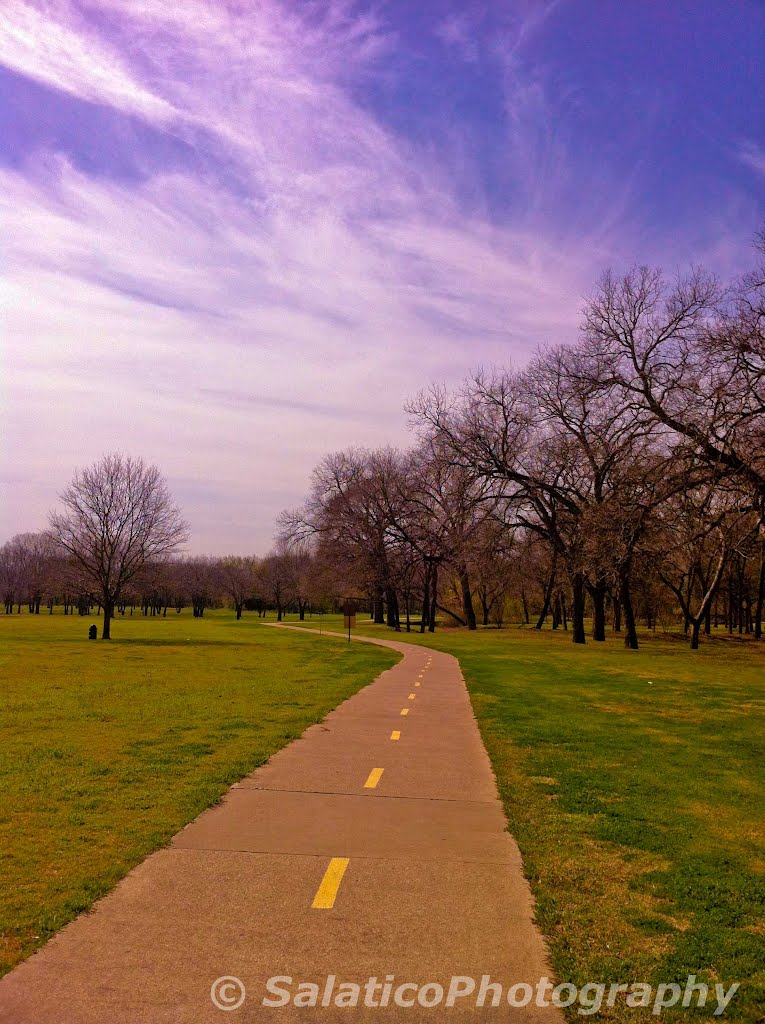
[118, 515]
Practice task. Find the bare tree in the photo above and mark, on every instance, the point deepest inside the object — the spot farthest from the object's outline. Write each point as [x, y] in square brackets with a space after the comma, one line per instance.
[694, 358]
[301, 561]
[202, 582]
[118, 515]
[237, 574]
[701, 531]
[348, 510]
[276, 578]
[10, 575]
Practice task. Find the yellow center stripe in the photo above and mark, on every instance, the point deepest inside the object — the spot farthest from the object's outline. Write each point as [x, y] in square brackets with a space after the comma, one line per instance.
[411, 696]
[416, 684]
[374, 777]
[333, 876]
[405, 711]
[395, 735]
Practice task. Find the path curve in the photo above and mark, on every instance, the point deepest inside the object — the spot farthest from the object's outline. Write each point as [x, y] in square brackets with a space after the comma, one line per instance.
[374, 845]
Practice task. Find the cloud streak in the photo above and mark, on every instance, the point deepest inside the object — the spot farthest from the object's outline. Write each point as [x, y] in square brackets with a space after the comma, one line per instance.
[62, 53]
[282, 292]
[752, 155]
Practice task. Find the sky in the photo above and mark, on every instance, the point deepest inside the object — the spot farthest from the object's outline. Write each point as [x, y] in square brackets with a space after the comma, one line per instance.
[236, 235]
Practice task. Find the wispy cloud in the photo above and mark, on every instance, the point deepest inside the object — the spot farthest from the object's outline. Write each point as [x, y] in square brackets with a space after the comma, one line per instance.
[752, 155]
[481, 29]
[59, 50]
[236, 322]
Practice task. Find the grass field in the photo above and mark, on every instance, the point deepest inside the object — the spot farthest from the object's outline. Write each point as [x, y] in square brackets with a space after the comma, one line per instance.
[634, 783]
[107, 749]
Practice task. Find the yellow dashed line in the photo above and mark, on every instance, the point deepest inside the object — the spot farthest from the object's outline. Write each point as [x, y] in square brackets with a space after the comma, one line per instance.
[395, 735]
[405, 711]
[412, 696]
[374, 777]
[417, 684]
[327, 891]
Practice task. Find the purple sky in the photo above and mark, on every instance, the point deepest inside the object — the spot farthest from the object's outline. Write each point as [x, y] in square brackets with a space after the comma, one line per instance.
[237, 235]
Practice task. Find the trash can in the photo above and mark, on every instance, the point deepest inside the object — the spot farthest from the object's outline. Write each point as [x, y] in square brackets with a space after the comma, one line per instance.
[93, 632]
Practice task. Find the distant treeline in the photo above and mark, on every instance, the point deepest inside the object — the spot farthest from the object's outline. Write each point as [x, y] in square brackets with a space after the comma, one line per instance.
[619, 478]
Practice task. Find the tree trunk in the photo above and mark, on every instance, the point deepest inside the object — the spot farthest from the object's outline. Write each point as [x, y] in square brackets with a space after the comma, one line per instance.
[695, 634]
[433, 597]
[598, 595]
[630, 639]
[467, 600]
[577, 610]
[379, 607]
[740, 588]
[545, 609]
[106, 633]
[425, 598]
[548, 593]
[760, 597]
[617, 604]
[391, 600]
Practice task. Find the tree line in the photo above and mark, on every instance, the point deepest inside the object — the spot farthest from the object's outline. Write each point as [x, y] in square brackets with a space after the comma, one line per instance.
[115, 544]
[35, 574]
[618, 477]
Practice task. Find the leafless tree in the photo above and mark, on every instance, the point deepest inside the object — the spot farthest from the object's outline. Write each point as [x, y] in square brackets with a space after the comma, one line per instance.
[238, 575]
[693, 356]
[301, 570]
[701, 530]
[117, 516]
[276, 579]
[201, 576]
[10, 575]
[348, 511]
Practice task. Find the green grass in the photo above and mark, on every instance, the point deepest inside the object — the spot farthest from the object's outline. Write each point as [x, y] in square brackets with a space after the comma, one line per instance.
[634, 783]
[108, 749]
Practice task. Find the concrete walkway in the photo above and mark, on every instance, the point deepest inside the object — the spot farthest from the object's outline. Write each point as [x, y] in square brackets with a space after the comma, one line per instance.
[374, 845]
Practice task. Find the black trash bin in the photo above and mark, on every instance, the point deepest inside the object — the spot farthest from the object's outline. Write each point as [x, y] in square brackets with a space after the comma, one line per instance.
[93, 632]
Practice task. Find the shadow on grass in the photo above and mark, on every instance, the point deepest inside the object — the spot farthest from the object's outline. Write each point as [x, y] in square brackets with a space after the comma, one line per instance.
[178, 642]
[97, 645]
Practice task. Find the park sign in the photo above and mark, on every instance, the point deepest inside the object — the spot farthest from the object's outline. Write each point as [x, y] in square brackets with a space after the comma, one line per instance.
[349, 616]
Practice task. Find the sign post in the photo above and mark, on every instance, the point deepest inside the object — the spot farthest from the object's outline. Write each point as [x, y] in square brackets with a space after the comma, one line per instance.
[349, 617]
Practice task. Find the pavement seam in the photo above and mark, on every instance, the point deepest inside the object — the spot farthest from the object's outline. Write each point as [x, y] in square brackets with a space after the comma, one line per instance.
[399, 858]
[379, 796]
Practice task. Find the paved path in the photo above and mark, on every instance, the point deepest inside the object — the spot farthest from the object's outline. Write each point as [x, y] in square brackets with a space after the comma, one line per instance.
[374, 845]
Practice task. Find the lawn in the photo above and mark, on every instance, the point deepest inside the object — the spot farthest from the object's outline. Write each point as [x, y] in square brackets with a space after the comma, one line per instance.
[108, 748]
[634, 783]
